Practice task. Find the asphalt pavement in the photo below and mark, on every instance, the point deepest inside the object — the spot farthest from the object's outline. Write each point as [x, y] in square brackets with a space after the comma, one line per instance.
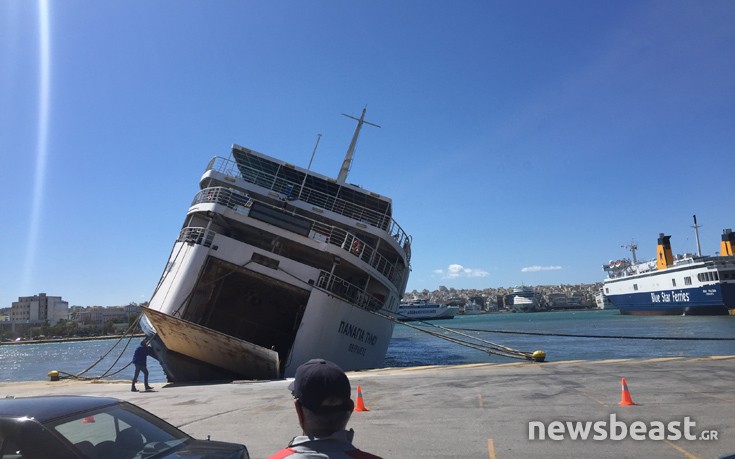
[472, 411]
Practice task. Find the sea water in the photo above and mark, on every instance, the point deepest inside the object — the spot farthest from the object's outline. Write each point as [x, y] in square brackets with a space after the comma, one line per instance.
[411, 347]
[418, 348]
[33, 361]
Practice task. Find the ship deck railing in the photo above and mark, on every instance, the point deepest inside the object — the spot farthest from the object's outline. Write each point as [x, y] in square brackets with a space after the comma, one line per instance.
[326, 281]
[348, 291]
[197, 235]
[321, 232]
[298, 191]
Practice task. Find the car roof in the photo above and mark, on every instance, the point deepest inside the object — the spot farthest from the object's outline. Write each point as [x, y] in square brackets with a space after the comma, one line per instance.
[46, 408]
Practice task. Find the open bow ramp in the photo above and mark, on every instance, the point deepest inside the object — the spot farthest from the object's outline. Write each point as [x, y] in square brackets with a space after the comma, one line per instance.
[201, 343]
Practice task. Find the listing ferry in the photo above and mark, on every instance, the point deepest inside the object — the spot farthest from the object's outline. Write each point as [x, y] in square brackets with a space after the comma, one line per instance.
[669, 285]
[276, 265]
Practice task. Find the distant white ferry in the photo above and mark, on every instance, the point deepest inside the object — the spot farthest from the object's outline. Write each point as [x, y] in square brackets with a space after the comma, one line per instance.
[524, 299]
[602, 301]
[685, 284]
[425, 310]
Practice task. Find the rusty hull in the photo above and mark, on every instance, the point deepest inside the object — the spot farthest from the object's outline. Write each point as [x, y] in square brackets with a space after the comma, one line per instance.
[201, 343]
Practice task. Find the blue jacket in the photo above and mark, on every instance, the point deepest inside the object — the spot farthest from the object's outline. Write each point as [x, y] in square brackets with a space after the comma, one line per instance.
[140, 355]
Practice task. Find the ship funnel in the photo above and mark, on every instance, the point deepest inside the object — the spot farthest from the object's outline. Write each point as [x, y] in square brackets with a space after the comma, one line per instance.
[664, 255]
[728, 242]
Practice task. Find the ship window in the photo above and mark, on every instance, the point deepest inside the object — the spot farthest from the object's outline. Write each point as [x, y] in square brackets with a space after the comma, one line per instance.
[700, 277]
[673, 282]
[716, 275]
[635, 287]
[280, 219]
[607, 290]
[687, 280]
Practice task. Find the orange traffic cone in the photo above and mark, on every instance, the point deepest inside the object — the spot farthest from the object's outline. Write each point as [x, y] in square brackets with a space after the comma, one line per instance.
[625, 400]
[360, 405]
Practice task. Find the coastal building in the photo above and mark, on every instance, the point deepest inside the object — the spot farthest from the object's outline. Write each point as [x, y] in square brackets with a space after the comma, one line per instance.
[39, 309]
[564, 296]
[98, 315]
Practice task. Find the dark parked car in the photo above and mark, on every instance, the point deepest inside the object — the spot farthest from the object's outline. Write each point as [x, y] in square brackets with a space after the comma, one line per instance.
[96, 428]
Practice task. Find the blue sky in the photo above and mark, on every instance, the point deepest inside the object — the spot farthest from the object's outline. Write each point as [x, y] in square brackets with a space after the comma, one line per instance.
[521, 142]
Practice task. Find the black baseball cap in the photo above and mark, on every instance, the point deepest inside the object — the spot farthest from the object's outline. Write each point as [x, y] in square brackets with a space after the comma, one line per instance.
[322, 387]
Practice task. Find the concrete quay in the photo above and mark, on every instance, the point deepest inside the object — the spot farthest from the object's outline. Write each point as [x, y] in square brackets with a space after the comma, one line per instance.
[467, 411]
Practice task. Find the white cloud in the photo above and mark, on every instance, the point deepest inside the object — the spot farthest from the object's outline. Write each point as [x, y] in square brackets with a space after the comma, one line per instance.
[535, 269]
[454, 271]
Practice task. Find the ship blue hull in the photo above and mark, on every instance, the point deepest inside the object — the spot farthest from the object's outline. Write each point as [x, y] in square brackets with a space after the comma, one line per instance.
[710, 300]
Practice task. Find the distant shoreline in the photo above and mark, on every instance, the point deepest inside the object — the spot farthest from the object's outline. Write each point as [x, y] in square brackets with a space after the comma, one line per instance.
[66, 340]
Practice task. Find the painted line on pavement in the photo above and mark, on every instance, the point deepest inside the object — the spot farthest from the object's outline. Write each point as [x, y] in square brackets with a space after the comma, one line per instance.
[681, 450]
[491, 448]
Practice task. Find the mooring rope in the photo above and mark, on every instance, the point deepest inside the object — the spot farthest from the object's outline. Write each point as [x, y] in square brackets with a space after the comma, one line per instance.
[130, 331]
[572, 335]
[484, 345]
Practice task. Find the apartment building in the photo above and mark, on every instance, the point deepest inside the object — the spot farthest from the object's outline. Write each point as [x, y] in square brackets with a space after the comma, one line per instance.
[38, 309]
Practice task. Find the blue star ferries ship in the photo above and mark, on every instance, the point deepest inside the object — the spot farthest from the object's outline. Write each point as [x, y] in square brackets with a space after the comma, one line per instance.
[674, 285]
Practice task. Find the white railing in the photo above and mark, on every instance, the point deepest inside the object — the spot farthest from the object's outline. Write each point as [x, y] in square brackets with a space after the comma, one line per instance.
[326, 281]
[221, 195]
[357, 247]
[293, 190]
[348, 292]
[319, 231]
[195, 235]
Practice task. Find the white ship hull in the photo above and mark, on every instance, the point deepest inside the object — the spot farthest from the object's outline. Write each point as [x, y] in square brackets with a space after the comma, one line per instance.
[424, 310]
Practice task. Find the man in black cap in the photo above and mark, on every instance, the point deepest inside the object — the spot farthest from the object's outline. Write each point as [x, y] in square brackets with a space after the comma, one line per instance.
[322, 399]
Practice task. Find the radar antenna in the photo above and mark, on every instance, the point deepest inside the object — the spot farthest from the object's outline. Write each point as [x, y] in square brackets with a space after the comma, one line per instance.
[351, 150]
[632, 247]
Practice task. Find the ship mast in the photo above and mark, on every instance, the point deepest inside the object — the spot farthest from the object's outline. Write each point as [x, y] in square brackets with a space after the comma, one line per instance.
[351, 150]
[696, 233]
[303, 184]
[632, 247]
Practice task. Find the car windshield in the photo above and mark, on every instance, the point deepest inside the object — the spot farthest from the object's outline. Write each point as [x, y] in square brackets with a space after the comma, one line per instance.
[119, 432]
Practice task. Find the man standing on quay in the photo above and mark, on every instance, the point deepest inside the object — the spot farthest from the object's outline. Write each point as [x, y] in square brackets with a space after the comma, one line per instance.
[140, 359]
[322, 399]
